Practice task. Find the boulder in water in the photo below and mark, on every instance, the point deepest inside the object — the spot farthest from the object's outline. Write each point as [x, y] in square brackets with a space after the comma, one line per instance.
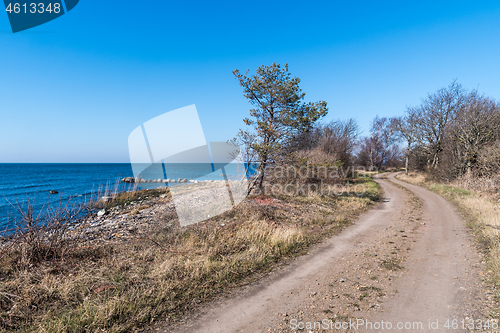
[128, 180]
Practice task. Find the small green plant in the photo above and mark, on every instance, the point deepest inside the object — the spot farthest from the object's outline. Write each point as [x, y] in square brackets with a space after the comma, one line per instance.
[391, 264]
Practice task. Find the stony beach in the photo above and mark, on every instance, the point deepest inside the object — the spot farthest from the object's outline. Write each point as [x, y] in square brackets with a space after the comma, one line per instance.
[150, 208]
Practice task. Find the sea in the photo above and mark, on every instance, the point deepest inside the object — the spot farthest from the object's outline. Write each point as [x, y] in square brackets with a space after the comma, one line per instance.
[23, 185]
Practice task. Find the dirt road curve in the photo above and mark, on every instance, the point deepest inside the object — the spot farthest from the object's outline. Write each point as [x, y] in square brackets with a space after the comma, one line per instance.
[408, 260]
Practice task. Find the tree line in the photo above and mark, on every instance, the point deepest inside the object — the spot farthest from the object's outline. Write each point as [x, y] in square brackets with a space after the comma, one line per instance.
[452, 132]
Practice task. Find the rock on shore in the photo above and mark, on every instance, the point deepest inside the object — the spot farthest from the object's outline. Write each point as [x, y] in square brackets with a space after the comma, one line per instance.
[165, 181]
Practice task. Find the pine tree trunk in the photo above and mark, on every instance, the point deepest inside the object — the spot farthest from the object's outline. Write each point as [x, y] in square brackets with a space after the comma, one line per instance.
[258, 181]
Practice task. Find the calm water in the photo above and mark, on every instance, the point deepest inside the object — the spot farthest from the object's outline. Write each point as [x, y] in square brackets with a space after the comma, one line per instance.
[34, 181]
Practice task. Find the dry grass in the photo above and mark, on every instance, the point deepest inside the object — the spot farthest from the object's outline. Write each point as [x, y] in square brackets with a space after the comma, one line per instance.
[122, 286]
[489, 186]
[416, 178]
[481, 210]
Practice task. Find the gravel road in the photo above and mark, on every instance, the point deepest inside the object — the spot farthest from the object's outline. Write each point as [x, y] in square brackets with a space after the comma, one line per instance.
[407, 262]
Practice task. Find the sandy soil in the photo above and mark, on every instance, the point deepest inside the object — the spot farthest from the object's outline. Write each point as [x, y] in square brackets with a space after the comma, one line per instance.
[407, 262]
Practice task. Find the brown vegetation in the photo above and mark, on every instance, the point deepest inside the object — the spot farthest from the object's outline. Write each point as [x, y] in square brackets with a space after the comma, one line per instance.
[122, 285]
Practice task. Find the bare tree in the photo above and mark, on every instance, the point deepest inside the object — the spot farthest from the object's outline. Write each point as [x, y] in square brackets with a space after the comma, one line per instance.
[476, 125]
[434, 115]
[375, 149]
[450, 127]
[406, 129]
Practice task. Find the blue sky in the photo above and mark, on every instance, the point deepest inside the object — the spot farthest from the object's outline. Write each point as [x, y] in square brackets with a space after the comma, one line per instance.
[72, 90]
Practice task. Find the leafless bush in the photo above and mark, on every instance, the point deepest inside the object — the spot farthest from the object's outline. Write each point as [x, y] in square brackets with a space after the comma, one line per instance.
[323, 153]
[489, 160]
[473, 182]
[486, 176]
[45, 233]
[332, 143]
[475, 127]
[329, 144]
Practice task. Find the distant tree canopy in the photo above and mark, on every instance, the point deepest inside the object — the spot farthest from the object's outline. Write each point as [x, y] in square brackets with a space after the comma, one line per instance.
[379, 150]
[405, 129]
[279, 113]
[452, 129]
[331, 144]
